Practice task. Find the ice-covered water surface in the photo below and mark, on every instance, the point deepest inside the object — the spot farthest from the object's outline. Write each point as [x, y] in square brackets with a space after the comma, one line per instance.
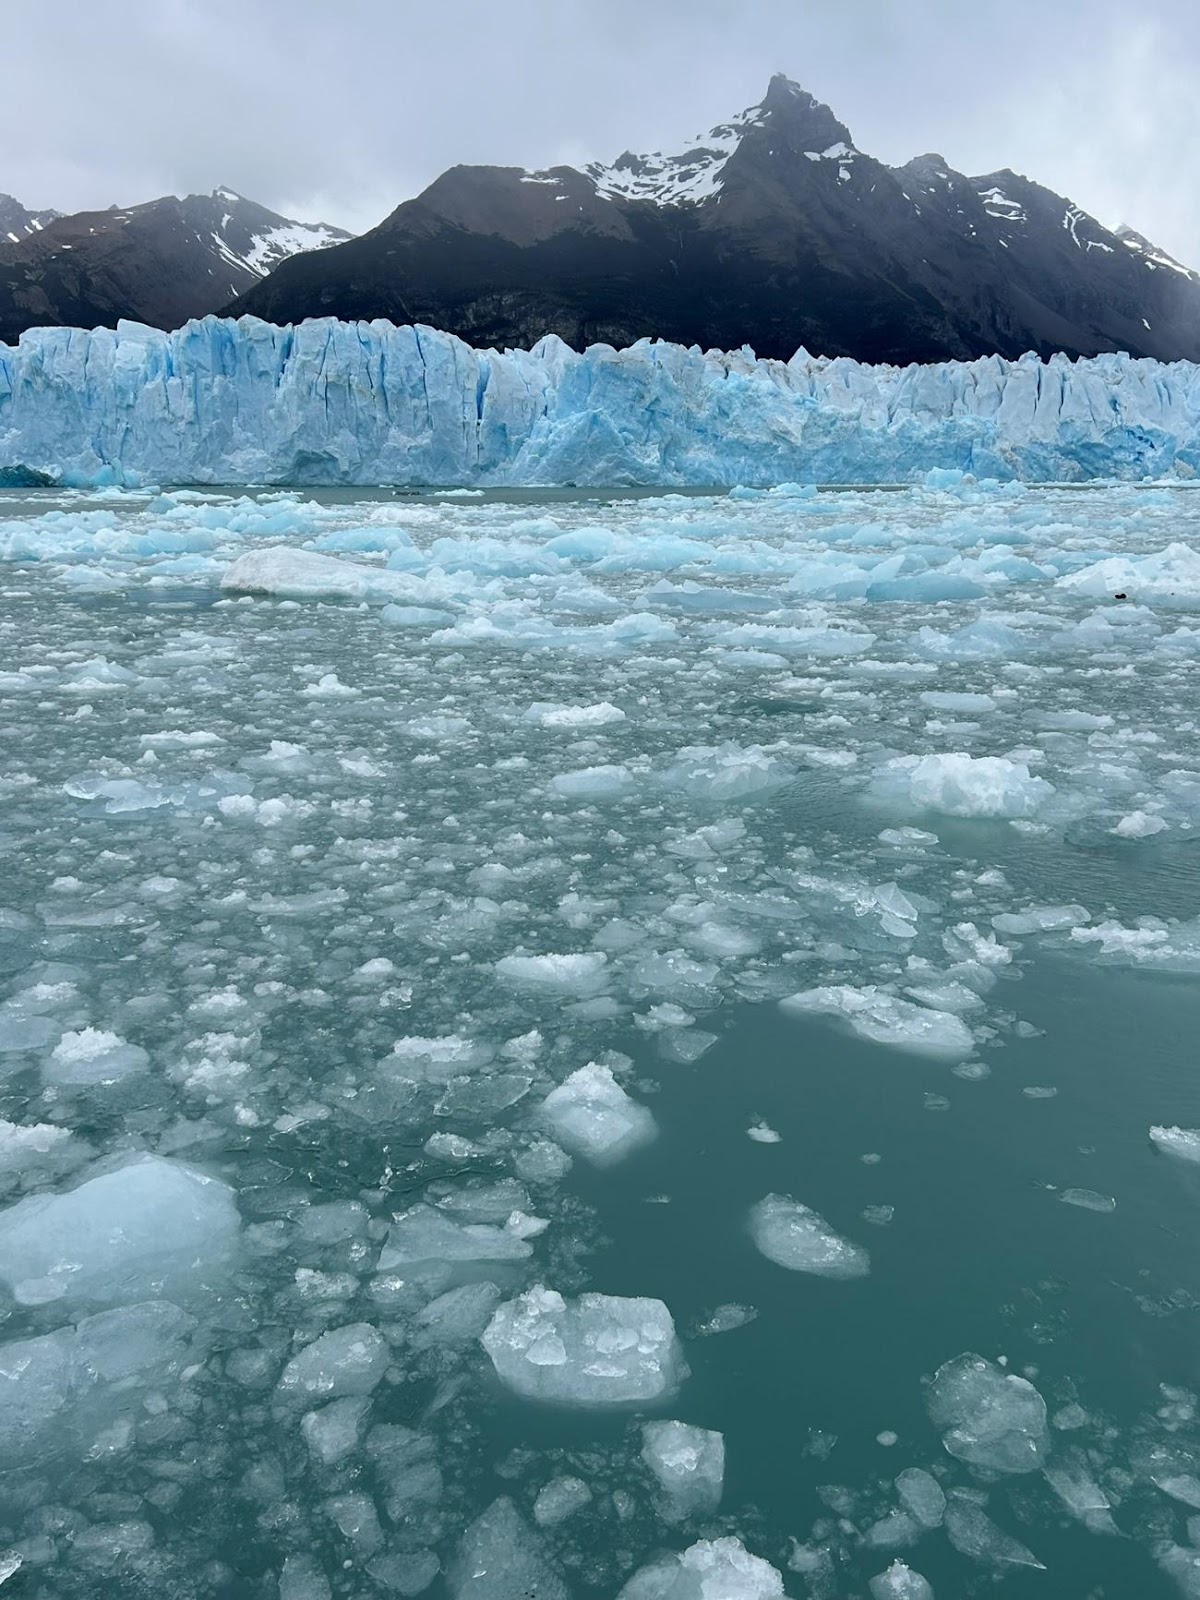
[408, 907]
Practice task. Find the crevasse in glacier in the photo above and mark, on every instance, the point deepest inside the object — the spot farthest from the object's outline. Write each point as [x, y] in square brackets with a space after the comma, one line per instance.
[367, 403]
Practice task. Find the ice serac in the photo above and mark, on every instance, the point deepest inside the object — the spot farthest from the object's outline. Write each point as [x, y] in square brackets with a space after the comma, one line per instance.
[331, 402]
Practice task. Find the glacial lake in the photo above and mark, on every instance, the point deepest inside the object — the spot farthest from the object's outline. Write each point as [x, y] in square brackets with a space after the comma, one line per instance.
[420, 914]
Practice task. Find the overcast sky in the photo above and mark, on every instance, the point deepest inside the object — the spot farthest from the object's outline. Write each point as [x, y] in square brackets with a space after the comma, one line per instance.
[339, 109]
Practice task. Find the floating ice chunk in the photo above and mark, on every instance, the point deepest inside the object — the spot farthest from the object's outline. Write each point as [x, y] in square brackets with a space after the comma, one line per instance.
[689, 1464]
[594, 783]
[960, 785]
[302, 1579]
[1168, 577]
[792, 1236]
[900, 1583]
[973, 1533]
[299, 574]
[93, 1056]
[459, 1315]
[559, 1499]
[1181, 1142]
[346, 1361]
[58, 1391]
[580, 974]
[724, 1319]
[874, 1014]
[1088, 1200]
[30, 1145]
[1082, 1496]
[1139, 825]
[19, 1031]
[10, 1562]
[149, 1226]
[956, 704]
[989, 1418]
[500, 1556]
[712, 1569]
[1041, 919]
[595, 1351]
[1181, 1486]
[592, 1116]
[549, 714]
[762, 1133]
[921, 1496]
[725, 772]
[333, 1431]
[424, 1236]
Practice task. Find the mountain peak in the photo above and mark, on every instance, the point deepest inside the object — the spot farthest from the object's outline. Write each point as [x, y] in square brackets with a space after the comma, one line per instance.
[697, 172]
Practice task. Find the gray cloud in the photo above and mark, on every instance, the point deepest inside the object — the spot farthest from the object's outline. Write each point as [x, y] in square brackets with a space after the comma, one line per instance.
[340, 109]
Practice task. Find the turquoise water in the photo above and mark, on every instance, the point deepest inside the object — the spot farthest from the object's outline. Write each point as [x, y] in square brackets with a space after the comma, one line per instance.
[318, 881]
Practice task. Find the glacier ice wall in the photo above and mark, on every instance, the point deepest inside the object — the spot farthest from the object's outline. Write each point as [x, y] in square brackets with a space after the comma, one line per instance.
[368, 403]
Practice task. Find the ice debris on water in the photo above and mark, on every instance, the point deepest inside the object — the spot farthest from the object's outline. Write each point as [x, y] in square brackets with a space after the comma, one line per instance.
[712, 1569]
[882, 1018]
[590, 1115]
[1088, 1200]
[989, 1418]
[793, 1236]
[688, 1464]
[345, 1361]
[598, 1350]
[559, 1499]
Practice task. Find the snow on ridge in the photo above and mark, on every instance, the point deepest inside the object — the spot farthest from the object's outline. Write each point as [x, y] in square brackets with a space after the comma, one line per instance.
[997, 204]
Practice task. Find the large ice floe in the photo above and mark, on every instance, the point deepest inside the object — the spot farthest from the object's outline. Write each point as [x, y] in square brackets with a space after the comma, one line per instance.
[409, 903]
[362, 403]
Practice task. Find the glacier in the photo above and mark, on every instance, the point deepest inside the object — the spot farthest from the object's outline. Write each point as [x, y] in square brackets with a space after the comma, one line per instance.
[358, 403]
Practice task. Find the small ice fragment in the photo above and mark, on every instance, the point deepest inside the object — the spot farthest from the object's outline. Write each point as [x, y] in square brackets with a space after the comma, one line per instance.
[1039, 1091]
[973, 1533]
[724, 1320]
[10, 1562]
[559, 1499]
[763, 1133]
[592, 1116]
[302, 1579]
[689, 1464]
[333, 1431]
[900, 1583]
[595, 1351]
[921, 1496]
[793, 1236]
[1139, 825]
[887, 1438]
[1088, 1200]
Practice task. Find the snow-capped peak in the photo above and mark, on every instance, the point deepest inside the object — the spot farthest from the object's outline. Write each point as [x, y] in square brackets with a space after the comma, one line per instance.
[698, 171]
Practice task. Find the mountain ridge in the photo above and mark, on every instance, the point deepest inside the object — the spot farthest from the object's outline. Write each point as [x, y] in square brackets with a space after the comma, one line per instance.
[772, 229]
[161, 262]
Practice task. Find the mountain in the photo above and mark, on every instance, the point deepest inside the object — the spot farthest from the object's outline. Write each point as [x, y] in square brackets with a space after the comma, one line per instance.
[159, 263]
[772, 230]
[17, 223]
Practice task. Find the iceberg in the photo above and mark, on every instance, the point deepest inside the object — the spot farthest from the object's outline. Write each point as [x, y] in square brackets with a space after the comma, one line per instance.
[329, 402]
